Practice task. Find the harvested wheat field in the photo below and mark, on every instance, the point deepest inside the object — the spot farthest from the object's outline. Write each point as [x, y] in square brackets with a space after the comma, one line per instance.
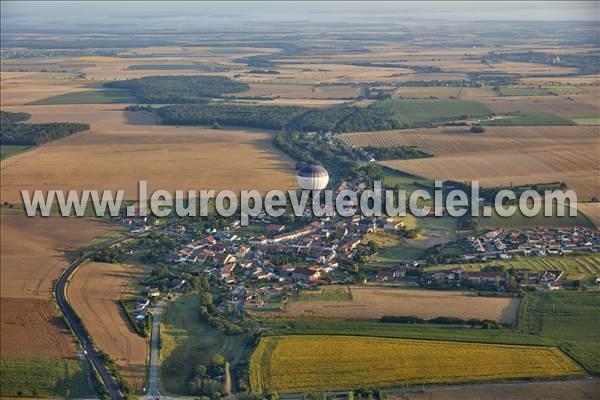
[450, 140]
[565, 390]
[376, 302]
[296, 364]
[546, 104]
[32, 257]
[592, 211]
[34, 328]
[33, 250]
[94, 293]
[117, 152]
[502, 155]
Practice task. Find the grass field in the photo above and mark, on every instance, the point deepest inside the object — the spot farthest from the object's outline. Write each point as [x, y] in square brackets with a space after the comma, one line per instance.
[570, 319]
[186, 341]
[292, 364]
[523, 91]
[43, 377]
[10, 150]
[326, 293]
[528, 118]
[587, 266]
[410, 112]
[103, 96]
[564, 89]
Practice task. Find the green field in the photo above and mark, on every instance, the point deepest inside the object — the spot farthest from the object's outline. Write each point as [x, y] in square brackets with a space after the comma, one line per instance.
[326, 293]
[412, 112]
[103, 96]
[305, 326]
[570, 319]
[585, 266]
[523, 91]
[187, 341]
[529, 118]
[8, 150]
[43, 377]
[587, 121]
[564, 89]
[176, 67]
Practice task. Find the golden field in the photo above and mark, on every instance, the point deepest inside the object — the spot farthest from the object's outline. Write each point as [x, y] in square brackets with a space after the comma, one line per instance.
[502, 155]
[376, 302]
[122, 148]
[94, 292]
[295, 364]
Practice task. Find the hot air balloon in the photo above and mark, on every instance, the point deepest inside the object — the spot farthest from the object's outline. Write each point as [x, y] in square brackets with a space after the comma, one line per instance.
[313, 177]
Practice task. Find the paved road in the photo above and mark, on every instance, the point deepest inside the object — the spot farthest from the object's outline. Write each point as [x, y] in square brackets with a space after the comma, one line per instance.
[89, 350]
[153, 388]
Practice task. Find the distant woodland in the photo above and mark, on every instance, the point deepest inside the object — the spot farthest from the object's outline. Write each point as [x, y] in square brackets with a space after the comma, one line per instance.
[15, 132]
[179, 89]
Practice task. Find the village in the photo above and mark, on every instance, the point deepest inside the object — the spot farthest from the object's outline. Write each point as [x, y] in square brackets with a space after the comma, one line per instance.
[265, 270]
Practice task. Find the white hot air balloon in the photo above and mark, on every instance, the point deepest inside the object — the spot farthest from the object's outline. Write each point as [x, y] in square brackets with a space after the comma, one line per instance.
[313, 177]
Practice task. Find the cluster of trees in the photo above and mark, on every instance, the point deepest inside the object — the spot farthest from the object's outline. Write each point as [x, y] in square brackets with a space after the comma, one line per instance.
[383, 115]
[179, 89]
[473, 322]
[108, 255]
[338, 158]
[211, 379]
[322, 120]
[396, 153]
[13, 132]
[210, 313]
[272, 117]
[7, 117]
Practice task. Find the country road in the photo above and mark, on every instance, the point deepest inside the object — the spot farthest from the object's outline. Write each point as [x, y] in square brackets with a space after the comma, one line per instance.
[77, 327]
[153, 389]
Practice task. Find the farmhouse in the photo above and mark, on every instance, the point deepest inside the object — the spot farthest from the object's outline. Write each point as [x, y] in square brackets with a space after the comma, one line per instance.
[294, 234]
[391, 274]
[306, 274]
[483, 276]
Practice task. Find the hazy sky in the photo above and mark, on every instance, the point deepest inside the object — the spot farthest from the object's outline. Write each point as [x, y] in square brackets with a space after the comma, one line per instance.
[186, 14]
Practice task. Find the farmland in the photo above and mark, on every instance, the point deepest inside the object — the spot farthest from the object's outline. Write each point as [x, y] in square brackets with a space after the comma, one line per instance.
[583, 265]
[118, 151]
[571, 389]
[570, 319]
[10, 150]
[34, 251]
[528, 154]
[291, 364]
[43, 377]
[523, 91]
[105, 96]
[376, 302]
[94, 292]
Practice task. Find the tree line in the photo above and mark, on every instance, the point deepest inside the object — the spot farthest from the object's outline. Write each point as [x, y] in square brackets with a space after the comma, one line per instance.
[13, 132]
[179, 89]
